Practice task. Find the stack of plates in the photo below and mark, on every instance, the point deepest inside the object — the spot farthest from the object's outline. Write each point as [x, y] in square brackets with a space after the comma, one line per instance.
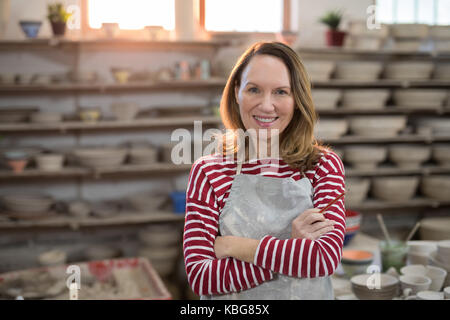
[377, 126]
[409, 156]
[357, 190]
[143, 155]
[100, 158]
[49, 162]
[378, 286]
[409, 70]
[394, 188]
[442, 71]
[331, 128]
[365, 99]
[436, 187]
[365, 157]
[419, 98]
[161, 245]
[27, 206]
[358, 71]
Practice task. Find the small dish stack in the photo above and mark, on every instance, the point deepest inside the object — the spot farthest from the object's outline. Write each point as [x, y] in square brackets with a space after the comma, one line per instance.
[141, 155]
[358, 70]
[331, 128]
[319, 70]
[408, 36]
[436, 187]
[49, 162]
[357, 191]
[365, 289]
[160, 243]
[100, 158]
[326, 99]
[377, 126]
[401, 70]
[352, 224]
[371, 99]
[419, 98]
[441, 153]
[147, 202]
[365, 157]
[394, 188]
[409, 156]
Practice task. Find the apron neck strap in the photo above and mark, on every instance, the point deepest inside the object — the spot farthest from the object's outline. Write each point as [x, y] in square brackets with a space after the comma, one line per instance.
[239, 167]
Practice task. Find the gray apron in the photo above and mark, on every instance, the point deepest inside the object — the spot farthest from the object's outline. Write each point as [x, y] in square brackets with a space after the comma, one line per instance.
[258, 206]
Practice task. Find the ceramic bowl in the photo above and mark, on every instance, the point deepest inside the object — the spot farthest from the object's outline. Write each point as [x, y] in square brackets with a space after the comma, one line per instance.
[121, 75]
[365, 157]
[407, 45]
[430, 295]
[422, 246]
[409, 30]
[52, 258]
[442, 71]
[375, 286]
[30, 28]
[49, 162]
[326, 99]
[435, 228]
[90, 114]
[357, 191]
[319, 70]
[100, 157]
[330, 128]
[358, 70]
[153, 238]
[79, 208]
[356, 261]
[441, 153]
[27, 203]
[46, 117]
[124, 111]
[365, 99]
[143, 155]
[394, 188]
[419, 98]
[444, 251]
[377, 126]
[415, 282]
[409, 70]
[147, 202]
[441, 32]
[409, 156]
[436, 187]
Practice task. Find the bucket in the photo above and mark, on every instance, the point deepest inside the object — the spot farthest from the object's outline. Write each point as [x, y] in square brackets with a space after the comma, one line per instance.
[179, 201]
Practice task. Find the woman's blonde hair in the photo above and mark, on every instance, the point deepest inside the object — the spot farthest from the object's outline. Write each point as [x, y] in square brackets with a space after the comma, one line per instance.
[298, 147]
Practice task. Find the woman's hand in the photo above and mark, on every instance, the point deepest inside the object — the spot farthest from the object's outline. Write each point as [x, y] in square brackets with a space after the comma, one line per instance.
[311, 224]
[243, 249]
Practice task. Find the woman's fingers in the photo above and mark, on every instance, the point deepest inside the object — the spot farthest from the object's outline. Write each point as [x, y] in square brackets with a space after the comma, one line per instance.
[316, 235]
[314, 217]
[320, 225]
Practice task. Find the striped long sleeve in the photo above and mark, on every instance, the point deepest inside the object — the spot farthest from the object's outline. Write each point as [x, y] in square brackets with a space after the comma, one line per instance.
[311, 258]
[206, 274]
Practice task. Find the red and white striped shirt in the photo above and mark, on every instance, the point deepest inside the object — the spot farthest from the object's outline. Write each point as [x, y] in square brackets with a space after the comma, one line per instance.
[209, 184]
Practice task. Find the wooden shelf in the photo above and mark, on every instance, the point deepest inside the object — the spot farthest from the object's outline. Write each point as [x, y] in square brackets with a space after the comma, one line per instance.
[336, 51]
[419, 202]
[386, 110]
[66, 172]
[65, 221]
[382, 83]
[65, 126]
[53, 43]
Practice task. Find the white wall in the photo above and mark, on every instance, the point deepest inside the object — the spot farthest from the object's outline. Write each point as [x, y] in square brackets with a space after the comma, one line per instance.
[312, 32]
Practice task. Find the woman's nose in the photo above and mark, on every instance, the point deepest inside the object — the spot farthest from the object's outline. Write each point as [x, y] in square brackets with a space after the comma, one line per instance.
[267, 103]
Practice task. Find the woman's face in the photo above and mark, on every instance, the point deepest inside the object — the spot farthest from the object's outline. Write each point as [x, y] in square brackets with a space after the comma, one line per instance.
[264, 95]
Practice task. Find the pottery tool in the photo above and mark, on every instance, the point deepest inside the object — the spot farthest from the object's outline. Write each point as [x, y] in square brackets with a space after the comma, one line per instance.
[332, 202]
[384, 229]
[413, 231]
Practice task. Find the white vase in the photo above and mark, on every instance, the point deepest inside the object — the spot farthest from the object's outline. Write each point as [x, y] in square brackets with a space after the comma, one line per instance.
[186, 20]
[5, 6]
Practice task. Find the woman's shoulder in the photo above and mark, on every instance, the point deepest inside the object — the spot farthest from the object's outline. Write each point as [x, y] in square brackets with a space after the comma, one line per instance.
[329, 163]
[212, 162]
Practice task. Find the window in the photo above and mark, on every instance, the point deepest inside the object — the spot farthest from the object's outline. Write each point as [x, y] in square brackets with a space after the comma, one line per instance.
[132, 14]
[244, 16]
[414, 11]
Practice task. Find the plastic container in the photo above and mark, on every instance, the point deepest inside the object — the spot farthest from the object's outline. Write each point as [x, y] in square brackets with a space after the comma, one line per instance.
[393, 255]
[179, 201]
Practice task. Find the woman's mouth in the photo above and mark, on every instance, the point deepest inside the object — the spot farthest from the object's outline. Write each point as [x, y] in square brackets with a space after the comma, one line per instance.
[265, 121]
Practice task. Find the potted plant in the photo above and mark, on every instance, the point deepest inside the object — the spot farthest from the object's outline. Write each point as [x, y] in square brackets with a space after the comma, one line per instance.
[58, 16]
[334, 36]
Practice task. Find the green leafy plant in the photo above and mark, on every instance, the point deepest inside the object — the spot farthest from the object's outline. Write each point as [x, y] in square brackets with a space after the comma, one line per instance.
[332, 19]
[57, 13]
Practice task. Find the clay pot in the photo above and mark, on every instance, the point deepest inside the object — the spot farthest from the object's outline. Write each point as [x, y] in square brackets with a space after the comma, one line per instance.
[18, 165]
[58, 28]
[335, 38]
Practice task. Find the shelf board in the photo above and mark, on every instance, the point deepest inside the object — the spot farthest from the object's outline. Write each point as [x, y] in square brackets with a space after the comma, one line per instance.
[95, 173]
[124, 218]
[419, 202]
[198, 84]
[365, 52]
[122, 43]
[65, 126]
[386, 110]
[400, 138]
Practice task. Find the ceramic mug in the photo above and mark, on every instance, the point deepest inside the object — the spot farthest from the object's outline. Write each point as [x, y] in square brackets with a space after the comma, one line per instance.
[437, 276]
[447, 293]
[415, 282]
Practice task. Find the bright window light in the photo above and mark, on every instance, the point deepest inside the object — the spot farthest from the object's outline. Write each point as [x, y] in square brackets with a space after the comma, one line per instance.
[132, 14]
[244, 15]
[432, 12]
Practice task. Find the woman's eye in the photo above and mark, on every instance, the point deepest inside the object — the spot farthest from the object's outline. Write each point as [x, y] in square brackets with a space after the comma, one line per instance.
[281, 91]
[253, 90]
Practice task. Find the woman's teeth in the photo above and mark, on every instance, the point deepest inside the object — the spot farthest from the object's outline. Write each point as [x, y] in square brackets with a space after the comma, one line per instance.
[267, 120]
